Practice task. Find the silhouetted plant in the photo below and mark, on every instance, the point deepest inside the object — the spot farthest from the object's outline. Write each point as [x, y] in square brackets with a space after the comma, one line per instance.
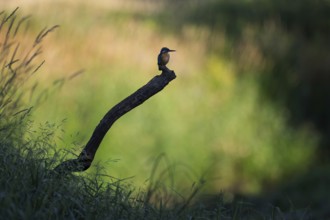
[18, 62]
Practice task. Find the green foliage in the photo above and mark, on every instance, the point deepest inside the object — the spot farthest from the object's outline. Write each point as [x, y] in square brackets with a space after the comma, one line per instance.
[214, 118]
[292, 41]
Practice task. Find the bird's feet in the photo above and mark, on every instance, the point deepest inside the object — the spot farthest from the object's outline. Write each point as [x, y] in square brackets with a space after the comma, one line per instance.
[161, 67]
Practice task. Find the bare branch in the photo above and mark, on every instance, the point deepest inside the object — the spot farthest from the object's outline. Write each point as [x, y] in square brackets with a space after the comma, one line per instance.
[85, 159]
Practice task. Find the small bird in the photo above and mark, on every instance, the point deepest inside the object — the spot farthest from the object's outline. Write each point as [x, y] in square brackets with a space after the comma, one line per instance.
[163, 57]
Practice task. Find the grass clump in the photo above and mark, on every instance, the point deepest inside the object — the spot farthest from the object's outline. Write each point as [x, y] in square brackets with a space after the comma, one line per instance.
[31, 191]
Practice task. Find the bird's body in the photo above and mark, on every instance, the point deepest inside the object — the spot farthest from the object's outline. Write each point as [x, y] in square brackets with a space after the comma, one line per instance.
[163, 57]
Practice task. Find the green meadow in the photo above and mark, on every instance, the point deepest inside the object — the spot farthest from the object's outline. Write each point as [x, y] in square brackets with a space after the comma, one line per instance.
[247, 114]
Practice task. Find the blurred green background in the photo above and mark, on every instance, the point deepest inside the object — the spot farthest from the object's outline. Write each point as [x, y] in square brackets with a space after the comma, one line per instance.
[249, 109]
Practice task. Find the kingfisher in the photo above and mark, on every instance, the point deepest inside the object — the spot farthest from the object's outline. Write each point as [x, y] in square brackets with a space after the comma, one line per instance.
[163, 57]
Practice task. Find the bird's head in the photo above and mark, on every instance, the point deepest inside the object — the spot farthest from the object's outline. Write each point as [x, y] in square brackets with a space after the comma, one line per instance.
[166, 50]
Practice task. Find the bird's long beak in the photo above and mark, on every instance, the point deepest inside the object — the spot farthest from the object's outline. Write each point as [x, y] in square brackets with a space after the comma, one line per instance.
[171, 51]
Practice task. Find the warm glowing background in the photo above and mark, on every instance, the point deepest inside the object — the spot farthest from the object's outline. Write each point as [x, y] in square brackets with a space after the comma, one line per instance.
[247, 111]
